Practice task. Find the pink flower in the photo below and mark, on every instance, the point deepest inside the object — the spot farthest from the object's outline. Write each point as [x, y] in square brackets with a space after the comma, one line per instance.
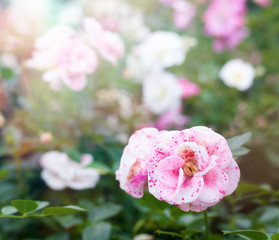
[59, 172]
[184, 13]
[193, 168]
[172, 118]
[225, 21]
[64, 58]
[263, 3]
[132, 173]
[189, 89]
[107, 43]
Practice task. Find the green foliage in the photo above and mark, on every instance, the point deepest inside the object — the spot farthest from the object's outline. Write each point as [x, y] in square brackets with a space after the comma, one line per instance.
[236, 144]
[28, 207]
[253, 235]
[101, 231]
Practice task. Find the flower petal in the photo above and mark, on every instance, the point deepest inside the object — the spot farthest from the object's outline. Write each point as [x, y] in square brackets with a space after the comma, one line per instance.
[216, 183]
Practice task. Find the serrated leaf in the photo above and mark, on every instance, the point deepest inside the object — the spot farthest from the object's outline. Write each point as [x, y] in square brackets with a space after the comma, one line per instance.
[8, 210]
[104, 212]
[275, 236]
[54, 211]
[101, 231]
[25, 206]
[237, 141]
[251, 234]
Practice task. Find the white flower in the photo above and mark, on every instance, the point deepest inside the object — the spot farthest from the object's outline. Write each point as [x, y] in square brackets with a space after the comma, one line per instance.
[59, 172]
[238, 74]
[162, 48]
[161, 92]
[159, 50]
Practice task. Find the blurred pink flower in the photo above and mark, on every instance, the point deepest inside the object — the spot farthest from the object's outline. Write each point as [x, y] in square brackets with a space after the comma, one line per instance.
[59, 172]
[172, 118]
[167, 2]
[107, 43]
[184, 13]
[189, 89]
[64, 58]
[225, 21]
[132, 172]
[193, 168]
[263, 3]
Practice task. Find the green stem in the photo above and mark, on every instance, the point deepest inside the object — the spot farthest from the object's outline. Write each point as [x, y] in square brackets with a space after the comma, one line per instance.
[206, 225]
[173, 234]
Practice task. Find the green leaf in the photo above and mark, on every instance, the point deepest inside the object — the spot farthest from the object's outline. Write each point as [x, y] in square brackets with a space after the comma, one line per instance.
[68, 221]
[245, 187]
[153, 203]
[8, 210]
[41, 205]
[104, 212]
[4, 173]
[59, 236]
[237, 141]
[240, 151]
[52, 211]
[7, 73]
[251, 234]
[25, 206]
[275, 236]
[101, 231]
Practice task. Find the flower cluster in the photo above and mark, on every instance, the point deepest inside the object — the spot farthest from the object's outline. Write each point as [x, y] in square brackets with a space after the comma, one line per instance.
[59, 171]
[193, 168]
[225, 21]
[162, 91]
[67, 56]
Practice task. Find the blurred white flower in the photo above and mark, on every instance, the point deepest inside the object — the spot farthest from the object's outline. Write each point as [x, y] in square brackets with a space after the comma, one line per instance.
[159, 50]
[59, 172]
[238, 74]
[144, 236]
[10, 60]
[2, 120]
[162, 48]
[161, 92]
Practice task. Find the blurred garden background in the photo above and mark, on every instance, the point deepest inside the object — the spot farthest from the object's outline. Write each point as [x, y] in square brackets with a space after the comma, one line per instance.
[78, 77]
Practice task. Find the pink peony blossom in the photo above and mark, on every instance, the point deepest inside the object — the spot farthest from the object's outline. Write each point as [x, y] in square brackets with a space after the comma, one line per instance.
[132, 173]
[193, 168]
[59, 172]
[225, 21]
[172, 118]
[107, 43]
[189, 89]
